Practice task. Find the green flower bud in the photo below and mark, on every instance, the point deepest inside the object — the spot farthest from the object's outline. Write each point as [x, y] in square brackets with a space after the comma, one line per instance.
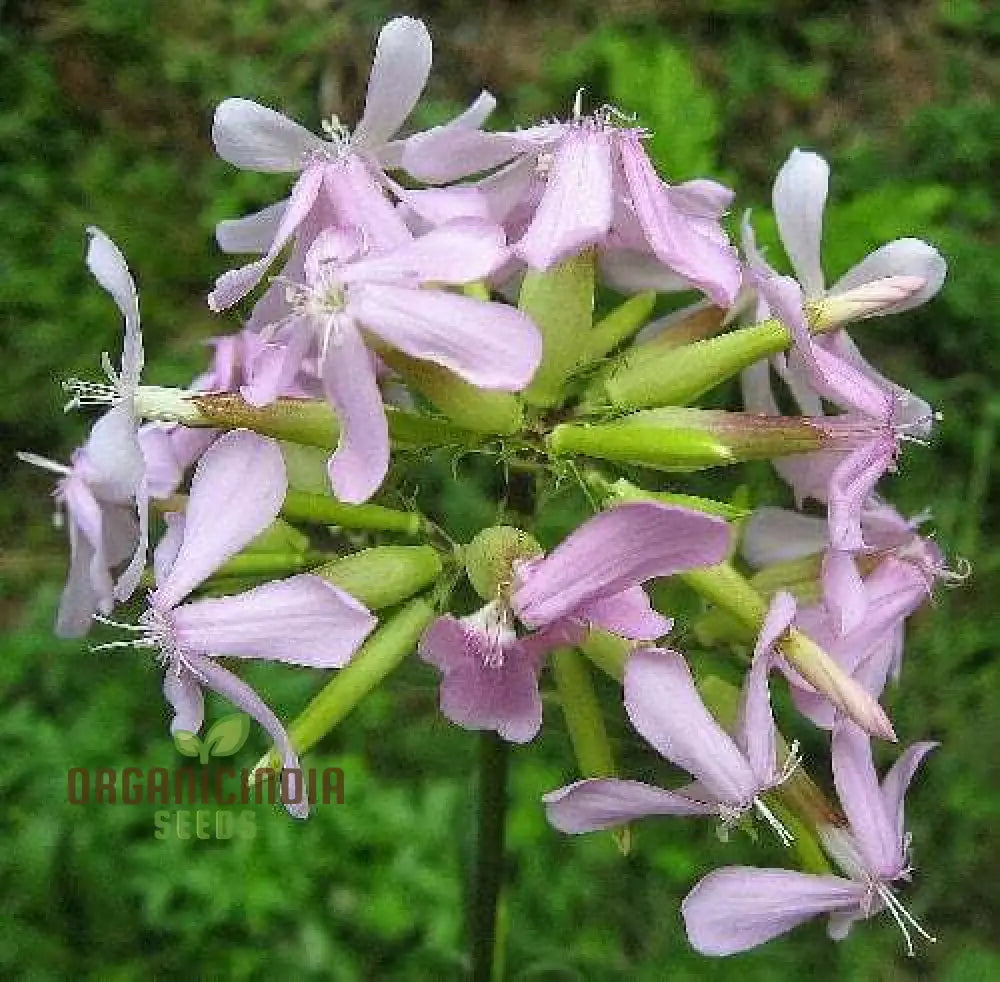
[383, 576]
[490, 558]
[682, 439]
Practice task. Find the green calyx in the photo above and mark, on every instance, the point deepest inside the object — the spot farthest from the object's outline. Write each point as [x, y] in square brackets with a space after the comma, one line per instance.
[491, 556]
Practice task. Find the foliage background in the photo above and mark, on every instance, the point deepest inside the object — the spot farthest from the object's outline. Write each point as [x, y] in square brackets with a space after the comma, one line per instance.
[105, 118]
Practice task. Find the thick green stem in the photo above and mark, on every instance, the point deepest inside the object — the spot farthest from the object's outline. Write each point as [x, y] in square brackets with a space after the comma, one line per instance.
[489, 870]
[318, 509]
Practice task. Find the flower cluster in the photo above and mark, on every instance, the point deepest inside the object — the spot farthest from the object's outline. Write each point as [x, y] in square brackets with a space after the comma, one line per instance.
[437, 292]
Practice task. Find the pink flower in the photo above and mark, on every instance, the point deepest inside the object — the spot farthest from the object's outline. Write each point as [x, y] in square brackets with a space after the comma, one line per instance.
[236, 492]
[490, 674]
[730, 772]
[343, 291]
[565, 186]
[342, 177]
[739, 907]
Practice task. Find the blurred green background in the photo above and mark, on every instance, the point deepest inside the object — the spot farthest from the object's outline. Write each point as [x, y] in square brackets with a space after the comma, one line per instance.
[105, 119]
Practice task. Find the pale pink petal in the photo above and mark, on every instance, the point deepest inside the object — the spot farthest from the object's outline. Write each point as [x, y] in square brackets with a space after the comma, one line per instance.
[491, 345]
[182, 691]
[898, 778]
[843, 589]
[115, 463]
[872, 827]
[664, 706]
[704, 197]
[484, 686]
[777, 535]
[360, 462]
[708, 262]
[449, 152]
[88, 587]
[253, 137]
[251, 233]
[615, 550]
[275, 366]
[851, 484]
[461, 251]
[165, 553]
[357, 200]
[628, 613]
[227, 685]
[302, 620]
[237, 490]
[755, 731]
[163, 471]
[631, 271]
[739, 907]
[427, 208]
[902, 257]
[235, 284]
[798, 198]
[603, 803]
[575, 210]
[128, 580]
[107, 264]
[399, 73]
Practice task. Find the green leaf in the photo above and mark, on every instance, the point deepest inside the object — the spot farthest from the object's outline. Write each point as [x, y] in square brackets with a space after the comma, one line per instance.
[187, 743]
[227, 735]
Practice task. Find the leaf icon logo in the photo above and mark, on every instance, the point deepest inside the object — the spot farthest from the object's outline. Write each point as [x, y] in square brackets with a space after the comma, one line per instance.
[224, 739]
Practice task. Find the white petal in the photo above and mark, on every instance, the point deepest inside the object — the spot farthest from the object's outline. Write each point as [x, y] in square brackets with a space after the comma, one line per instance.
[798, 198]
[251, 233]
[253, 137]
[399, 73]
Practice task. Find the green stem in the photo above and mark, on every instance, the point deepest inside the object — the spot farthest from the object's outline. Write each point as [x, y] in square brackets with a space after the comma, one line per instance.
[493, 758]
[319, 509]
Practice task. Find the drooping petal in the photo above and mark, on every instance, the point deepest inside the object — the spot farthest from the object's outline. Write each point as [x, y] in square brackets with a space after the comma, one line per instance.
[755, 731]
[708, 262]
[253, 137]
[128, 580]
[602, 803]
[901, 257]
[357, 200]
[114, 456]
[897, 780]
[739, 907]
[182, 691]
[575, 210]
[628, 613]
[109, 268]
[851, 484]
[461, 251]
[664, 706]
[252, 233]
[84, 594]
[302, 620]
[843, 589]
[360, 462]
[227, 685]
[777, 535]
[631, 271]
[798, 199]
[615, 550]
[491, 345]
[873, 829]
[488, 683]
[237, 491]
[399, 73]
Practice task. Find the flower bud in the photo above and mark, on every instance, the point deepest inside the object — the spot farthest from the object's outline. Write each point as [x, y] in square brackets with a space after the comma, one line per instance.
[617, 327]
[383, 576]
[491, 556]
[682, 439]
[869, 299]
[561, 303]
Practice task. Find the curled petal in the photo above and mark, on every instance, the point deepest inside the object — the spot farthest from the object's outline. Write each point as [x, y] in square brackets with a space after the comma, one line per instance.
[629, 614]
[739, 907]
[902, 257]
[602, 803]
[182, 691]
[227, 685]
[897, 780]
[843, 590]
[253, 137]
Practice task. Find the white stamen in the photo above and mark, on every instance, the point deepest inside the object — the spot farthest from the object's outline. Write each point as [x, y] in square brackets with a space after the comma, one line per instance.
[783, 834]
[48, 465]
[902, 917]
